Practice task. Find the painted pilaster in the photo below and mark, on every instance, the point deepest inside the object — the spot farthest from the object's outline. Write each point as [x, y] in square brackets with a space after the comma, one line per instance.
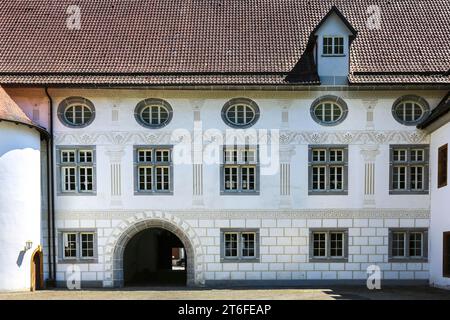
[369, 154]
[286, 153]
[197, 156]
[115, 155]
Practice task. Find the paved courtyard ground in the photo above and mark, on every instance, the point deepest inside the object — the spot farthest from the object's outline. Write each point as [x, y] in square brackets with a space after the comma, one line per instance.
[176, 293]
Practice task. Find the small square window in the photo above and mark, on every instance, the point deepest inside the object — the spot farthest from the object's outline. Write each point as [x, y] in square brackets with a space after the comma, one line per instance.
[145, 155]
[85, 156]
[67, 156]
[162, 155]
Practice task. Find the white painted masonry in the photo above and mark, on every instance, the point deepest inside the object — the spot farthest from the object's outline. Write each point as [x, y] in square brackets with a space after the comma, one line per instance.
[283, 215]
[440, 213]
[20, 203]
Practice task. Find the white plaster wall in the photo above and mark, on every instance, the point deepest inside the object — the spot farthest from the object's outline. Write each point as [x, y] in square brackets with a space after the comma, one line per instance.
[440, 212]
[20, 203]
[126, 132]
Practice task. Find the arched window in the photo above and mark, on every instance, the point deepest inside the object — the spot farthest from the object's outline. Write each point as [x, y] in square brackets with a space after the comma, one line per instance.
[329, 110]
[153, 113]
[410, 110]
[240, 113]
[76, 112]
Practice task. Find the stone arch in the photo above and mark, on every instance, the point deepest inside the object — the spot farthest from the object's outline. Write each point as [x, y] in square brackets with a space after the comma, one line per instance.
[119, 238]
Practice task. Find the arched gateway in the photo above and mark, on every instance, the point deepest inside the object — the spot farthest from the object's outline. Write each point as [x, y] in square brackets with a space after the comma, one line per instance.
[117, 243]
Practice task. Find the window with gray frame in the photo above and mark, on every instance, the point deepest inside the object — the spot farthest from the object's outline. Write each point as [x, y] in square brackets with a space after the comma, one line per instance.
[78, 245]
[239, 245]
[153, 169]
[408, 244]
[327, 245]
[240, 170]
[409, 169]
[328, 169]
[76, 171]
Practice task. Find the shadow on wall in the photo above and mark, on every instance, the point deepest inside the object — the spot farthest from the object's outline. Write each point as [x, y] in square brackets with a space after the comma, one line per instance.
[20, 257]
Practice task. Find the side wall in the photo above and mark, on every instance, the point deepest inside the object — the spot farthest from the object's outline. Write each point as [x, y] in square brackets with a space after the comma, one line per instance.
[440, 212]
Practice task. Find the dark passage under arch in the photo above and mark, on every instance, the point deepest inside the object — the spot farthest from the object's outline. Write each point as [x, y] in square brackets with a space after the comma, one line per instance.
[154, 257]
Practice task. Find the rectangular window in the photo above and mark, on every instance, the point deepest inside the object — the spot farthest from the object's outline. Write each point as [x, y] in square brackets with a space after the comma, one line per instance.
[333, 45]
[446, 254]
[442, 166]
[239, 245]
[153, 170]
[408, 244]
[409, 169]
[328, 169]
[328, 245]
[78, 245]
[248, 240]
[76, 169]
[87, 245]
[70, 245]
[240, 170]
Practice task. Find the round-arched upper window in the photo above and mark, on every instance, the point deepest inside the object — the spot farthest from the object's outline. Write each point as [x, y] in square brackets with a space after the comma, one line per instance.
[410, 110]
[76, 112]
[329, 110]
[153, 113]
[240, 113]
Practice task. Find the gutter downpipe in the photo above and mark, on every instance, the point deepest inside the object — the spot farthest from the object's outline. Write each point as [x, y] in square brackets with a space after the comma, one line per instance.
[51, 198]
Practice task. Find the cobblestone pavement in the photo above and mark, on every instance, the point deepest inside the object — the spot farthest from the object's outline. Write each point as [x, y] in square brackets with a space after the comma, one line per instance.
[176, 293]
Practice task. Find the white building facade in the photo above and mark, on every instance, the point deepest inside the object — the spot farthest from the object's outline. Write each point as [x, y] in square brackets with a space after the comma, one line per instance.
[286, 183]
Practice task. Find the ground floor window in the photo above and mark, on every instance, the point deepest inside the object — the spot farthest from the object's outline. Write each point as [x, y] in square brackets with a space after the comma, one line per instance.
[78, 245]
[239, 244]
[328, 244]
[408, 244]
[446, 250]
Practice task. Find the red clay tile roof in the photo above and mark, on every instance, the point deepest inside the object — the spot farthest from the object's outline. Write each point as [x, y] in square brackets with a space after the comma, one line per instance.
[256, 41]
[10, 111]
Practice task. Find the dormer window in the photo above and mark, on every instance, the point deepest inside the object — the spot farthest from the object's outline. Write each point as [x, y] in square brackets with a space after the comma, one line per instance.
[333, 46]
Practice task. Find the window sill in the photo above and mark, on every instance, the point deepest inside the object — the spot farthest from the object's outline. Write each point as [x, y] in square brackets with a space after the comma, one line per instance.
[239, 193]
[406, 192]
[237, 260]
[327, 193]
[408, 260]
[140, 193]
[328, 260]
[79, 194]
[77, 261]
[333, 55]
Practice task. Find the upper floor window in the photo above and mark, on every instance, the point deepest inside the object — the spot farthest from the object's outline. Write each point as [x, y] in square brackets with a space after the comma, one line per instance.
[408, 244]
[240, 113]
[328, 169]
[408, 169]
[329, 110]
[410, 110]
[442, 166]
[76, 112]
[240, 170]
[76, 169]
[153, 169]
[153, 113]
[333, 45]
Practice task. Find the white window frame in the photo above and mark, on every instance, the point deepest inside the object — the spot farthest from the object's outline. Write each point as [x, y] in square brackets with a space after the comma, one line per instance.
[334, 45]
